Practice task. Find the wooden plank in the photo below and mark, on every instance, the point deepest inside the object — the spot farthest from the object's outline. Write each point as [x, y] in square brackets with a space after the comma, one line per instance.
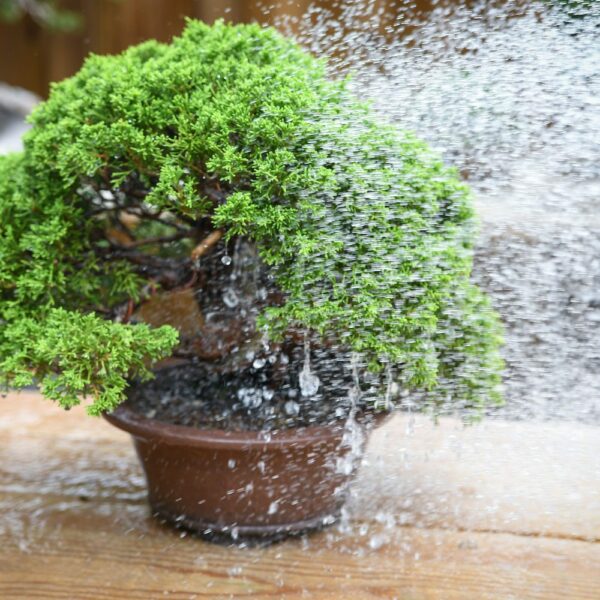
[519, 477]
[128, 556]
[424, 522]
[22, 62]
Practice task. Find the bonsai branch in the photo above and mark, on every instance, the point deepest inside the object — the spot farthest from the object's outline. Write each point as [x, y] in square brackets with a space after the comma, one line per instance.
[141, 213]
[165, 239]
[207, 243]
[117, 252]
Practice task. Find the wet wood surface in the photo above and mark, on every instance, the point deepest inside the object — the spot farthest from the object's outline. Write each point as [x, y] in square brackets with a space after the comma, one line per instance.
[495, 511]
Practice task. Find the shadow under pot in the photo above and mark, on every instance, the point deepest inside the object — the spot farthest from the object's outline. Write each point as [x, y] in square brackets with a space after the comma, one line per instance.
[243, 483]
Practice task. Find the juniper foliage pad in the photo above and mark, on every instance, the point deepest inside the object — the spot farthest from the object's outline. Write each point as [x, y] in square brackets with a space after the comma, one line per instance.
[367, 233]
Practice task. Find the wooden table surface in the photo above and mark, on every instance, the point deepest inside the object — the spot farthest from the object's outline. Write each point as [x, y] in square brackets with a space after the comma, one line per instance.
[496, 511]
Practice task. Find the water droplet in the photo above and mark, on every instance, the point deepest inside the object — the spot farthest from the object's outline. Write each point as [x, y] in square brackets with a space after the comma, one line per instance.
[309, 382]
[386, 519]
[226, 259]
[328, 520]
[291, 408]
[107, 195]
[378, 541]
[250, 397]
[259, 363]
[230, 298]
[344, 465]
[235, 571]
[273, 508]
[262, 294]
[231, 463]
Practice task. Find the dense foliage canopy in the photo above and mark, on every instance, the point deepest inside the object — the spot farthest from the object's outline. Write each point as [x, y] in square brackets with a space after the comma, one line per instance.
[366, 232]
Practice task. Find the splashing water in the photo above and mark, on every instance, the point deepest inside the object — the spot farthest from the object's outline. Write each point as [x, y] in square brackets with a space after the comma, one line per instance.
[512, 100]
[354, 437]
[309, 381]
[509, 95]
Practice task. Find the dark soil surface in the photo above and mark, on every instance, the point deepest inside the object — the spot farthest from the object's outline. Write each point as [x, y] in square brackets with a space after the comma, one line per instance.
[262, 397]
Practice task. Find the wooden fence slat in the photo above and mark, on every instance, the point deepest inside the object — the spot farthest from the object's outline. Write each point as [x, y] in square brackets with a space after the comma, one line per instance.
[31, 57]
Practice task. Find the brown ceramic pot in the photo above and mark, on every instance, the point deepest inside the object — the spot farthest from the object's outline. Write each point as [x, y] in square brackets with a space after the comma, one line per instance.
[241, 483]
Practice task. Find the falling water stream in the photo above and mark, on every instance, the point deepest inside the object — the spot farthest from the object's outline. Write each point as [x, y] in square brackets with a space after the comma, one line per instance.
[509, 93]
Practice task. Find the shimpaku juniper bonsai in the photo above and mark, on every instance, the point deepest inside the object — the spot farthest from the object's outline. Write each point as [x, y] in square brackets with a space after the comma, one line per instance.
[229, 166]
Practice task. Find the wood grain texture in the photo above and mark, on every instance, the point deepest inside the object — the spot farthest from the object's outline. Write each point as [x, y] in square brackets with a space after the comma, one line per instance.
[31, 57]
[496, 511]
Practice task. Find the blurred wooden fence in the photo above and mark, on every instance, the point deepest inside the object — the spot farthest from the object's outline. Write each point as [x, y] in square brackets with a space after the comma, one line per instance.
[31, 56]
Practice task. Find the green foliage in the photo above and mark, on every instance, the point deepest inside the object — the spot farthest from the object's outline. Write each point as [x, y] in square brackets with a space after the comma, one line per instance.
[73, 355]
[575, 9]
[366, 232]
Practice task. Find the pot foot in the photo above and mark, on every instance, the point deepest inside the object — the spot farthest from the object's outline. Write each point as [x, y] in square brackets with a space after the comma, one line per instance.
[249, 535]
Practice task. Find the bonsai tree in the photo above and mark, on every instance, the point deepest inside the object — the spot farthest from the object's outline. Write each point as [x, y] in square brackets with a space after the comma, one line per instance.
[223, 204]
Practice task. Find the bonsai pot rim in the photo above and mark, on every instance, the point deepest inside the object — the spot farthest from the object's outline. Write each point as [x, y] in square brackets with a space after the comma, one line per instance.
[125, 418]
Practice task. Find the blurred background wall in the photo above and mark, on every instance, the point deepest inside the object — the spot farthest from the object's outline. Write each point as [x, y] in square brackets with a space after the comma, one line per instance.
[33, 52]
